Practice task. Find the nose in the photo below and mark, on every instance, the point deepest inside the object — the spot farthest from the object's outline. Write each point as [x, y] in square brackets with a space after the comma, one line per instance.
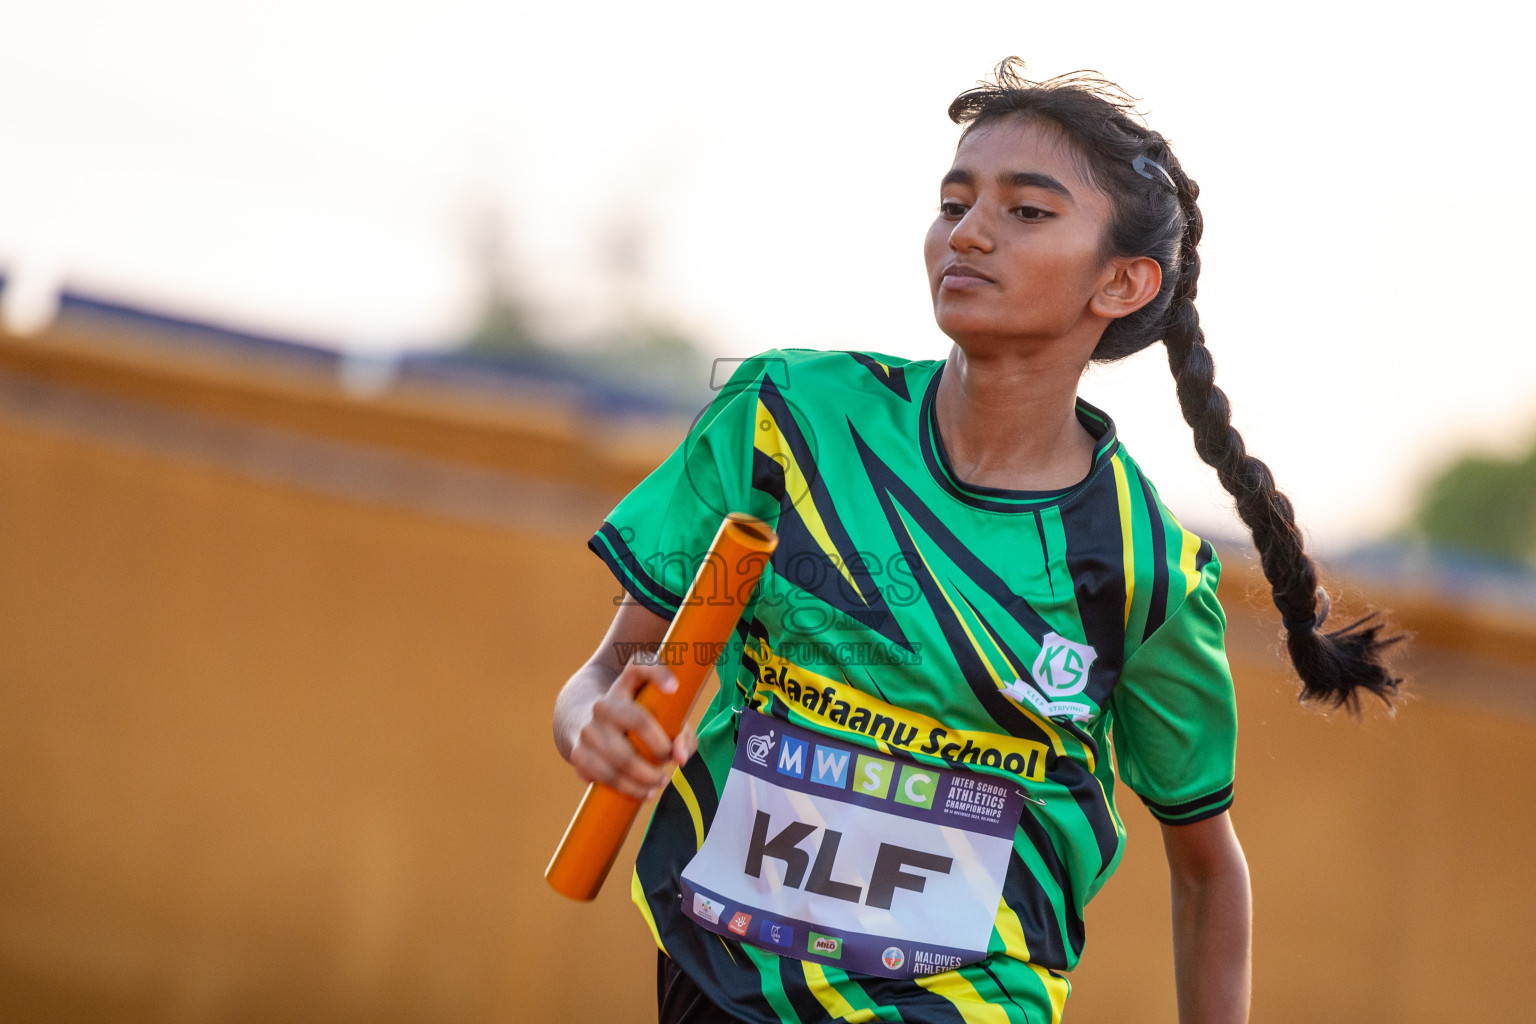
[971, 233]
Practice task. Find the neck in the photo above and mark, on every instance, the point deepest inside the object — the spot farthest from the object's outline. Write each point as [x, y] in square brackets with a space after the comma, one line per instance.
[1009, 420]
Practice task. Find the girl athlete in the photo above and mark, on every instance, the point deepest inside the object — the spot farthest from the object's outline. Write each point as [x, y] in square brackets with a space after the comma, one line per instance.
[901, 800]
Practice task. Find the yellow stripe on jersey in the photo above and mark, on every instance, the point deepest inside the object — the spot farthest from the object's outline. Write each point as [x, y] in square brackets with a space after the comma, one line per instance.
[684, 790]
[955, 987]
[1123, 493]
[828, 996]
[1011, 930]
[1061, 751]
[1187, 552]
[769, 440]
[1056, 988]
[637, 896]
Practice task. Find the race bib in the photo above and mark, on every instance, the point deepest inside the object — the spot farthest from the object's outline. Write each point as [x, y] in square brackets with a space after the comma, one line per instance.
[835, 853]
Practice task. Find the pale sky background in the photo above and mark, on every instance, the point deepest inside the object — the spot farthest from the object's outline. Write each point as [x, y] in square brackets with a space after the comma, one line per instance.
[314, 169]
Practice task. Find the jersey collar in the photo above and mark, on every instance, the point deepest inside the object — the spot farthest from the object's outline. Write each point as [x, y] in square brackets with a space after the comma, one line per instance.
[997, 499]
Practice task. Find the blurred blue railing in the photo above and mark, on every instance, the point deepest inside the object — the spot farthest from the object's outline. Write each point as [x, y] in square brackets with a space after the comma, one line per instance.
[513, 375]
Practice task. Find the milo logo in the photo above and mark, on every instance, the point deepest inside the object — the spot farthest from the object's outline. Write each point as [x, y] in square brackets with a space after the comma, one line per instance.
[825, 945]
[1062, 667]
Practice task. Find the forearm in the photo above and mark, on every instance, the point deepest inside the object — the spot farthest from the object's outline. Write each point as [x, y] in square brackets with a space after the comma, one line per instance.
[1212, 922]
[1211, 949]
[633, 629]
[601, 729]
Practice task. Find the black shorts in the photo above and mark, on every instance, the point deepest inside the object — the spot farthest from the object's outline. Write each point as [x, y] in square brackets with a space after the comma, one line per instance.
[678, 999]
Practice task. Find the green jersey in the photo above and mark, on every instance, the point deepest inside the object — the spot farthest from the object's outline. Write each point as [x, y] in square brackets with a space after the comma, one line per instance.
[987, 647]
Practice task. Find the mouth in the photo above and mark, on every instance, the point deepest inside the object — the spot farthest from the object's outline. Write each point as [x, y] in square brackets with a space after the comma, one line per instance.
[960, 275]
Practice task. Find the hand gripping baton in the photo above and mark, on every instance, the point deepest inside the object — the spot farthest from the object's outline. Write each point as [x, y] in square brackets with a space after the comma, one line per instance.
[703, 626]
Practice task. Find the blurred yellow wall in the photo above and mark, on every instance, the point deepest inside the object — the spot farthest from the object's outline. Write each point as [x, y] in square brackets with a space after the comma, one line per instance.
[276, 668]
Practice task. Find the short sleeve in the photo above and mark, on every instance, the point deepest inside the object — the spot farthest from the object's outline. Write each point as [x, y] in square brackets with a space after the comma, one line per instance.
[654, 540]
[1175, 715]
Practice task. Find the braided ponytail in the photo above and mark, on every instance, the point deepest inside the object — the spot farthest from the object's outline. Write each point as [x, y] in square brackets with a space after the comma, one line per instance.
[1158, 217]
[1335, 666]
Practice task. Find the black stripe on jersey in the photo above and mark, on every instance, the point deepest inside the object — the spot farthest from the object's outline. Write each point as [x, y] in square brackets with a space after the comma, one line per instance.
[1096, 565]
[776, 706]
[1045, 554]
[1091, 800]
[719, 968]
[1157, 607]
[768, 476]
[1004, 990]
[1041, 929]
[1203, 555]
[1191, 811]
[1042, 932]
[744, 632]
[918, 1005]
[705, 789]
[890, 489]
[792, 977]
[888, 485]
[666, 849]
[625, 566]
[799, 558]
[894, 377]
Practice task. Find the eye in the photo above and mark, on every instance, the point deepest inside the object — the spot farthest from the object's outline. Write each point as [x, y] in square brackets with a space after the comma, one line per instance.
[1032, 213]
[952, 210]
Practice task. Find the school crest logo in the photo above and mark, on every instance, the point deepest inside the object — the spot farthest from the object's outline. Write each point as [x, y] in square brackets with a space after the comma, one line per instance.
[1061, 670]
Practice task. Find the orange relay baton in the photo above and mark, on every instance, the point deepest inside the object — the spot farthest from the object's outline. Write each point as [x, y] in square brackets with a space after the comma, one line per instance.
[701, 629]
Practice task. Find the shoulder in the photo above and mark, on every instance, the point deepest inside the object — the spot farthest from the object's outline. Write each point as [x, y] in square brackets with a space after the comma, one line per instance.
[817, 371]
[1168, 562]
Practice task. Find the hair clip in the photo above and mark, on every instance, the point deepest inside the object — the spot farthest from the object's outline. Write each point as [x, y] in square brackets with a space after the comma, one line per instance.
[1140, 165]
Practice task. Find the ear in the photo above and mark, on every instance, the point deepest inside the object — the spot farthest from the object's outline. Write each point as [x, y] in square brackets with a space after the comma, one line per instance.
[1129, 285]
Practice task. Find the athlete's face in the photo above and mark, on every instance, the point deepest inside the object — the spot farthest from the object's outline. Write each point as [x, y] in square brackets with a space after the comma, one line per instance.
[1014, 254]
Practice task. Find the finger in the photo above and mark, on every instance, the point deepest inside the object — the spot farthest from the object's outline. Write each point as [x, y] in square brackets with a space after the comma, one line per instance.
[656, 793]
[592, 768]
[610, 736]
[619, 705]
[620, 758]
[621, 719]
[635, 778]
[643, 778]
[607, 750]
[639, 674]
[684, 746]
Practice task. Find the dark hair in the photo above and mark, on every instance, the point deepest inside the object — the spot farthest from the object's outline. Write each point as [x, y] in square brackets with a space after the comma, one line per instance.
[1155, 215]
